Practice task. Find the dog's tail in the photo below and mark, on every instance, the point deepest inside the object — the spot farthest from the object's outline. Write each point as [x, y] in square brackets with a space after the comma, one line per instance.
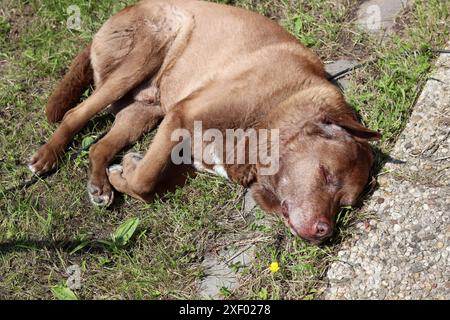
[69, 91]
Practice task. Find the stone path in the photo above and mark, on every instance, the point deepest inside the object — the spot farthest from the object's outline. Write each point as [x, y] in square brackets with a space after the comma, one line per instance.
[224, 267]
[403, 253]
[220, 267]
[379, 16]
[219, 270]
[332, 68]
[374, 16]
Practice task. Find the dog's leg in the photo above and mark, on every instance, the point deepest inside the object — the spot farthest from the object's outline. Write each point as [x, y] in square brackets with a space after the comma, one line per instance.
[142, 59]
[130, 123]
[137, 177]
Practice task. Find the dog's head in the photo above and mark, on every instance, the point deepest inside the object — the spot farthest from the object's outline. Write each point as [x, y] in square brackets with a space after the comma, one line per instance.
[324, 163]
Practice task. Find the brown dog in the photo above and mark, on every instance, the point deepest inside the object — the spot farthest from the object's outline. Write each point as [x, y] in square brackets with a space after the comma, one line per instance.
[181, 61]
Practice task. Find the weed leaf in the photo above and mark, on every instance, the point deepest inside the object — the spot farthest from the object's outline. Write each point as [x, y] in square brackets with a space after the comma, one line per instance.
[87, 142]
[80, 246]
[125, 231]
[63, 293]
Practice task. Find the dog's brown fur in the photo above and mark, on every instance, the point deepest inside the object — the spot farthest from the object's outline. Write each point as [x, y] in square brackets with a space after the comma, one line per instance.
[68, 93]
[178, 61]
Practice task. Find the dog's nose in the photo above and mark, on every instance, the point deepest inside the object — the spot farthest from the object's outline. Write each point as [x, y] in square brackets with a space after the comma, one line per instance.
[315, 233]
[322, 230]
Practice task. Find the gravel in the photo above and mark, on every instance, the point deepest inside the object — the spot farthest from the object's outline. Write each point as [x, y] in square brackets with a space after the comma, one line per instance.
[404, 253]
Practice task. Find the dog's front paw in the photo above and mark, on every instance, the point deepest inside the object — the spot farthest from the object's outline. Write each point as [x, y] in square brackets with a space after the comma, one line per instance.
[43, 161]
[100, 193]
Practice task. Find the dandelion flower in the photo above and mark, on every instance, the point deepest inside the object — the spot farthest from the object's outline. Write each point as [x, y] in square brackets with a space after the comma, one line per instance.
[274, 267]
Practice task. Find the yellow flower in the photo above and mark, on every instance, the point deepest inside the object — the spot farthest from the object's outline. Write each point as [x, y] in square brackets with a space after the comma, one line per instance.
[274, 267]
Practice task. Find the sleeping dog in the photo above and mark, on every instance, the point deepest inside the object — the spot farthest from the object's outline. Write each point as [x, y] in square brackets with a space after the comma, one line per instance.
[180, 63]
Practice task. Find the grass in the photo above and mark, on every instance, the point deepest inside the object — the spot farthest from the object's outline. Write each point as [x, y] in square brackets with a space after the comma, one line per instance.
[52, 225]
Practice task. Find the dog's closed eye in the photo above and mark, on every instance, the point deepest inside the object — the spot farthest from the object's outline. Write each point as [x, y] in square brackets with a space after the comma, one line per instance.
[328, 178]
[325, 174]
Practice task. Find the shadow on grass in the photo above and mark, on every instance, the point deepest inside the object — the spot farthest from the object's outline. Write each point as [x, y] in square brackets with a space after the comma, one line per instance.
[106, 245]
[93, 246]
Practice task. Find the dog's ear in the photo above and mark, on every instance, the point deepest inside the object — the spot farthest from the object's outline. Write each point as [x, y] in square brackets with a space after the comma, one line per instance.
[341, 126]
[243, 174]
[265, 198]
[355, 128]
